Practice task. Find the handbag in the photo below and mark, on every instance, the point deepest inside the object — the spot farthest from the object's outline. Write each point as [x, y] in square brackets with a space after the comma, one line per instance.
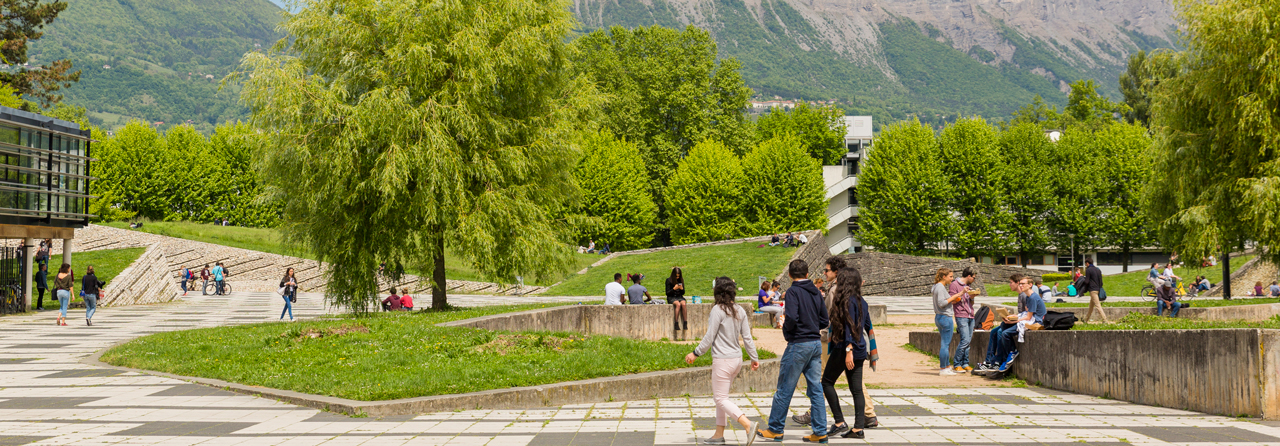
[280, 291]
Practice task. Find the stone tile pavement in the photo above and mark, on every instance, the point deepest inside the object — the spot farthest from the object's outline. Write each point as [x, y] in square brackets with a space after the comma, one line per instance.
[48, 396]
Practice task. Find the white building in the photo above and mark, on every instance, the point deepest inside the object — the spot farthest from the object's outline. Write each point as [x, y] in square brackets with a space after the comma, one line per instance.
[841, 184]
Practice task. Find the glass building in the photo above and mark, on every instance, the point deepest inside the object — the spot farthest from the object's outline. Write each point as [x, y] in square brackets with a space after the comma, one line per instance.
[44, 171]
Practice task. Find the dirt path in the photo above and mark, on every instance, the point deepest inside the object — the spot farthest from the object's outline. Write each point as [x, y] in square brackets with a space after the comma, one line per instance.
[897, 367]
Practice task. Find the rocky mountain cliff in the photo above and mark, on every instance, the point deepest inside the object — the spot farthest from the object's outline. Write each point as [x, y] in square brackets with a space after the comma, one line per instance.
[931, 57]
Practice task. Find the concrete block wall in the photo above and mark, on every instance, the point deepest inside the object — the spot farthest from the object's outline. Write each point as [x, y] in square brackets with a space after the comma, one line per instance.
[649, 322]
[1260, 312]
[1226, 372]
[144, 282]
[904, 275]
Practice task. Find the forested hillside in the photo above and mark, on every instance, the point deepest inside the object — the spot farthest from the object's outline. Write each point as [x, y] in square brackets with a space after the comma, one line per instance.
[157, 60]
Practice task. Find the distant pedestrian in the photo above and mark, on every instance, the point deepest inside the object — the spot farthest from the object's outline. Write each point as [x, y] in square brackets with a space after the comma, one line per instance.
[675, 297]
[1257, 289]
[42, 284]
[765, 303]
[944, 310]
[1093, 284]
[406, 300]
[806, 316]
[205, 274]
[637, 294]
[219, 277]
[613, 291]
[289, 288]
[92, 289]
[187, 278]
[1275, 289]
[726, 327]
[64, 282]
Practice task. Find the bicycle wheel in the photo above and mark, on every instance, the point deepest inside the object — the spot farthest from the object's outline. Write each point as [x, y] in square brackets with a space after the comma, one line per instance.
[1187, 297]
[1148, 293]
[210, 288]
[226, 288]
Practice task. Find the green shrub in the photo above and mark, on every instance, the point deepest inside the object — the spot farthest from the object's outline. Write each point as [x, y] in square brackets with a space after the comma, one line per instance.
[1056, 277]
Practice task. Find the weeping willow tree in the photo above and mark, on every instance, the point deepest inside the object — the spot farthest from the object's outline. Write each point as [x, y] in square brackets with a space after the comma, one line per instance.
[1217, 125]
[402, 129]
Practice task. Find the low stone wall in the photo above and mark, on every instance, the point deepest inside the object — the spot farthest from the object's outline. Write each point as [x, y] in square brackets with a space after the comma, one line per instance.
[1260, 312]
[1228, 372]
[145, 281]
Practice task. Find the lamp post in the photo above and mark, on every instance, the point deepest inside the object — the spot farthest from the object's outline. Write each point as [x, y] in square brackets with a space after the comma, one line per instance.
[1073, 251]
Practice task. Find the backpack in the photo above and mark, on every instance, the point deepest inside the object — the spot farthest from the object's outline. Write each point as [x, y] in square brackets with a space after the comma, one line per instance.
[1102, 294]
[186, 274]
[1054, 320]
[983, 318]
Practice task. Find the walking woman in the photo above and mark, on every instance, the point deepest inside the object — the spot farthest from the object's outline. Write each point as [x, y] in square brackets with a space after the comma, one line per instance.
[63, 283]
[92, 289]
[850, 325]
[290, 286]
[728, 323]
[943, 310]
[675, 297]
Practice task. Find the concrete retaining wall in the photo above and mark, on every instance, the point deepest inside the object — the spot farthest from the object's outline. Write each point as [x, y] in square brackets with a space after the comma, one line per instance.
[1227, 372]
[1260, 312]
[145, 281]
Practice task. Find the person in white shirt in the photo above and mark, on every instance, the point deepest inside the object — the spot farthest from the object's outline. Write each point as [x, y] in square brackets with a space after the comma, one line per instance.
[803, 240]
[614, 291]
[1168, 275]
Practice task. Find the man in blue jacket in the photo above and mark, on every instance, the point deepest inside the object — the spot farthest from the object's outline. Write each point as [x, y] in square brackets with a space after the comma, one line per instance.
[806, 314]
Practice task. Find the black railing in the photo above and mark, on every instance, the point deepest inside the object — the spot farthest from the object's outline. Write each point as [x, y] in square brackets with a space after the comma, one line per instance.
[12, 298]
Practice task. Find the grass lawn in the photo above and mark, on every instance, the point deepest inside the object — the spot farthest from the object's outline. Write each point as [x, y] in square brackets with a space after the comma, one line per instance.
[107, 264]
[1198, 302]
[395, 355]
[1135, 321]
[742, 262]
[269, 240]
[1130, 283]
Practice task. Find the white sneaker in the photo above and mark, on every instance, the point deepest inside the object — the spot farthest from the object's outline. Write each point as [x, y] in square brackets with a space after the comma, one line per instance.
[947, 372]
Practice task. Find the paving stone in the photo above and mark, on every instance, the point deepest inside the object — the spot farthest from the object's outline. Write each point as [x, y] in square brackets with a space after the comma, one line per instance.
[1189, 434]
[44, 402]
[184, 428]
[18, 440]
[83, 373]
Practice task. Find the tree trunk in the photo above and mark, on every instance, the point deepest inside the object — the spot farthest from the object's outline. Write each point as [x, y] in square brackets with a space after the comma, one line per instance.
[1226, 275]
[1124, 257]
[439, 300]
[1022, 257]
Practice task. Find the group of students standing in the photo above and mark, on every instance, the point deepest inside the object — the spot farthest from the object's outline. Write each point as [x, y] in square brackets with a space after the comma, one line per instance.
[840, 317]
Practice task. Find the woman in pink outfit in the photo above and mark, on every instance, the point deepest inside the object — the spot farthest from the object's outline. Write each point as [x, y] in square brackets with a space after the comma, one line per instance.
[728, 323]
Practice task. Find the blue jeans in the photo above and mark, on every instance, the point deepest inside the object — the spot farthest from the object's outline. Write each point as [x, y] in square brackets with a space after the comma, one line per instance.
[1008, 343]
[993, 342]
[64, 299]
[288, 306]
[90, 305]
[218, 286]
[946, 328]
[964, 327]
[800, 358]
[1173, 312]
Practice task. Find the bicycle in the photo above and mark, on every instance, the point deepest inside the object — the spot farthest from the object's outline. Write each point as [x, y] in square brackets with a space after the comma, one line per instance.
[211, 288]
[1148, 293]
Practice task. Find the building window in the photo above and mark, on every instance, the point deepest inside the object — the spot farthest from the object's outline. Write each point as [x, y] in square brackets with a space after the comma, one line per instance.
[853, 196]
[853, 166]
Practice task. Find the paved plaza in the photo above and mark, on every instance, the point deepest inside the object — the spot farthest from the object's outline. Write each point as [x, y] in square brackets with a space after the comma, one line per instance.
[48, 395]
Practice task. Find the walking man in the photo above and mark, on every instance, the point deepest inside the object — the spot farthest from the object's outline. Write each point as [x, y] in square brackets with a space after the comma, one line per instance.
[1093, 283]
[806, 314]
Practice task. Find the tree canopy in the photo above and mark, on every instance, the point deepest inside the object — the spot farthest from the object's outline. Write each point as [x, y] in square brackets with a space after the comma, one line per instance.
[782, 190]
[903, 192]
[395, 134]
[975, 173]
[23, 22]
[615, 192]
[703, 195]
[820, 130]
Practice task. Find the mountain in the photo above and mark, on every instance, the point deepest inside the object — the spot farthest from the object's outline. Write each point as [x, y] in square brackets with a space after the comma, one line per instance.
[157, 60]
[935, 58]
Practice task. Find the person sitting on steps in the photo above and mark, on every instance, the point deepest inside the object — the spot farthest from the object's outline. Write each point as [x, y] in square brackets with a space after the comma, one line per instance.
[1166, 299]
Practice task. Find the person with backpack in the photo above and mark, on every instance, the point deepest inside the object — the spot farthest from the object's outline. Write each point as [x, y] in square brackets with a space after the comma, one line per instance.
[998, 326]
[218, 278]
[187, 278]
[727, 325]
[964, 316]
[1093, 284]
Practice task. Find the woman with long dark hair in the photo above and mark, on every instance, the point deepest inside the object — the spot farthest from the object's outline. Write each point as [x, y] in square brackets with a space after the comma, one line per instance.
[728, 324]
[675, 297]
[849, 347]
[289, 291]
[64, 282]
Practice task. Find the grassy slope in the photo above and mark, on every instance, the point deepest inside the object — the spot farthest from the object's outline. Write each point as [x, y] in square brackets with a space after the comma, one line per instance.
[403, 355]
[741, 262]
[268, 240]
[1131, 283]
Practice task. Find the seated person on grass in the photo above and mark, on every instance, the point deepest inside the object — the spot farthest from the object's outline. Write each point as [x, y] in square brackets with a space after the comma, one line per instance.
[1167, 300]
[1031, 311]
[406, 300]
[392, 302]
[1275, 289]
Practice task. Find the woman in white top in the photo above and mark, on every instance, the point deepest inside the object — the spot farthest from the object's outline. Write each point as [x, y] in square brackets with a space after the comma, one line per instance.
[943, 301]
[728, 323]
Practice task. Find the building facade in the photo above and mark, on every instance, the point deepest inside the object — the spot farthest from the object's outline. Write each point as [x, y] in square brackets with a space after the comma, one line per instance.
[841, 186]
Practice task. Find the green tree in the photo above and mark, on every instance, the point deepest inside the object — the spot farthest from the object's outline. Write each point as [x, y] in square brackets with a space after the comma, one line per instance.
[1028, 190]
[131, 167]
[612, 177]
[974, 174]
[23, 23]
[820, 129]
[703, 195]
[238, 195]
[902, 191]
[1142, 76]
[1075, 166]
[666, 92]
[784, 190]
[188, 183]
[1038, 113]
[1084, 104]
[1217, 149]
[395, 134]
[1125, 171]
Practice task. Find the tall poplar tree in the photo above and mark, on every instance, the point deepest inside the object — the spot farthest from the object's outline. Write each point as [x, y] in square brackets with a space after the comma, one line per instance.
[783, 191]
[902, 191]
[399, 130]
[703, 195]
[615, 192]
[1028, 191]
[974, 172]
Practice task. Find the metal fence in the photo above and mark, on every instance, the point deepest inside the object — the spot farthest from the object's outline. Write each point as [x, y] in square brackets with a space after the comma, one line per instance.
[11, 295]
